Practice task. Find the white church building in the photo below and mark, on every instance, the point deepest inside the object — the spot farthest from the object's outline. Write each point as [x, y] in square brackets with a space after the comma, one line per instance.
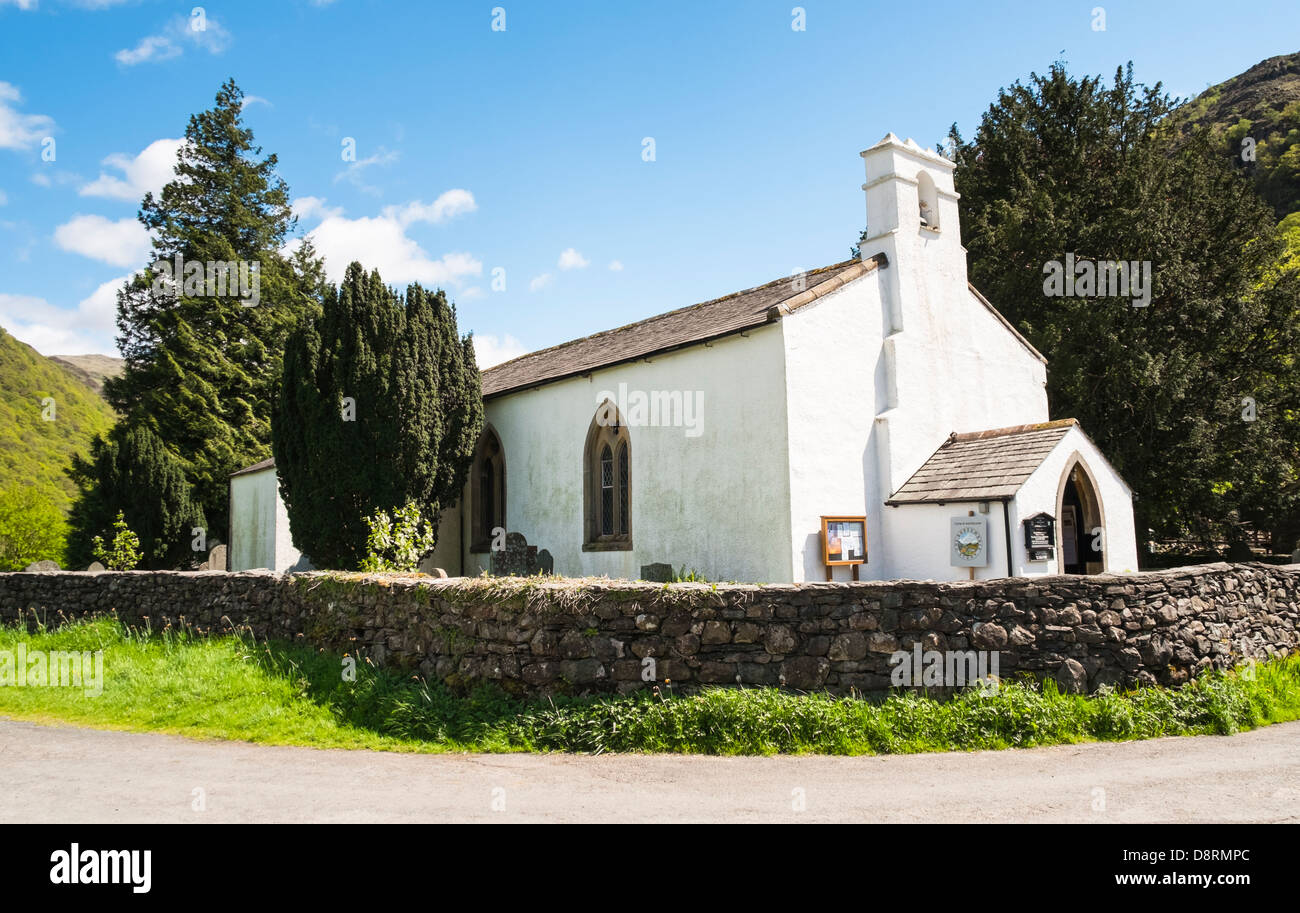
[872, 419]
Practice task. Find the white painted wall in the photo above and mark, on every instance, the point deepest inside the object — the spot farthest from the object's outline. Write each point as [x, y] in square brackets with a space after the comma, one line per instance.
[717, 503]
[259, 524]
[921, 535]
[880, 372]
[835, 382]
[956, 365]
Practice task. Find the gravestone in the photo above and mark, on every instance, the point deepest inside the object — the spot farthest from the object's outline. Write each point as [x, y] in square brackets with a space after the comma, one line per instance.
[1295, 556]
[545, 562]
[519, 559]
[96, 568]
[657, 572]
[217, 558]
[43, 566]
[426, 566]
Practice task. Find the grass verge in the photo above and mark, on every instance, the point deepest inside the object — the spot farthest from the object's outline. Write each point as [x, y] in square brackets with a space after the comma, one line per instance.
[234, 687]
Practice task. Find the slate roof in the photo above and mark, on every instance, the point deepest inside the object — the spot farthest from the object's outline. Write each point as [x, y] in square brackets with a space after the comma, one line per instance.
[697, 323]
[256, 467]
[982, 465]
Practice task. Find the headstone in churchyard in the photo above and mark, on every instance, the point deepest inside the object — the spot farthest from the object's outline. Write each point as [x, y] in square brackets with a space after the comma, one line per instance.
[1295, 556]
[657, 572]
[427, 566]
[96, 568]
[43, 566]
[545, 562]
[217, 558]
[518, 559]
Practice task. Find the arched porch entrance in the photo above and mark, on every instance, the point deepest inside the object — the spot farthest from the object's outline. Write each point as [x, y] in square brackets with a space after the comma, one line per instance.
[1082, 543]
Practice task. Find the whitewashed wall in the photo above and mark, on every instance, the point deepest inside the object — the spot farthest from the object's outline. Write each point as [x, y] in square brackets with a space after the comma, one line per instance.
[718, 503]
[259, 524]
[880, 372]
[920, 537]
[835, 379]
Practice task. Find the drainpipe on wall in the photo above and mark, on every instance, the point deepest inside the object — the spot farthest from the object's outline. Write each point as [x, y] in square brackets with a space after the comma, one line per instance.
[1006, 528]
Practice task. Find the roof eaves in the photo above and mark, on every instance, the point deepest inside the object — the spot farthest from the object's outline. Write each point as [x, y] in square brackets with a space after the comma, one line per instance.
[256, 467]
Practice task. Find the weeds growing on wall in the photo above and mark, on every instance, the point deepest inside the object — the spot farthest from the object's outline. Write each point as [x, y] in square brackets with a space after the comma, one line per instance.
[231, 685]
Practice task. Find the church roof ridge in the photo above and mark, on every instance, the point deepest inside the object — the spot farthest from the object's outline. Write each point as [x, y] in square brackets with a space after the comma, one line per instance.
[685, 326]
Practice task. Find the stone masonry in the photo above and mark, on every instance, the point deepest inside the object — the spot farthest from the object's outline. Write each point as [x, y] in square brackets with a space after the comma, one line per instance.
[555, 635]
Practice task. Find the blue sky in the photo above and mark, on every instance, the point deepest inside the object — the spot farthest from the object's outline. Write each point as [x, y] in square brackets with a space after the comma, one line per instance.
[522, 150]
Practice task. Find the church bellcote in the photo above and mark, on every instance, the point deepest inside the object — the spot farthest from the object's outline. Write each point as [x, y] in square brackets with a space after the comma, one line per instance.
[910, 196]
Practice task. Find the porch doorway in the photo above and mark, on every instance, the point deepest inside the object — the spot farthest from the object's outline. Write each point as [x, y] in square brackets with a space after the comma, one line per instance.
[1082, 546]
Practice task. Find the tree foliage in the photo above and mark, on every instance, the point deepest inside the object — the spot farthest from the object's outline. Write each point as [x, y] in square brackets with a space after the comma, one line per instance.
[398, 542]
[32, 528]
[131, 473]
[380, 404]
[122, 553]
[201, 367]
[1061, 165]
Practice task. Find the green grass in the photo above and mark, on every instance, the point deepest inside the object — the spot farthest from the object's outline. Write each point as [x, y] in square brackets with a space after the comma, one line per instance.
[233, 687]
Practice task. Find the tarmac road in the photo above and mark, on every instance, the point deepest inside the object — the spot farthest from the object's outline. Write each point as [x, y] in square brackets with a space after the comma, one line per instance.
[70, 774]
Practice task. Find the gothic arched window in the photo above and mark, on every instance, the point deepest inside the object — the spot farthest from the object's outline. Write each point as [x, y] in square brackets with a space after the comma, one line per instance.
[607, 482]
[487, 492]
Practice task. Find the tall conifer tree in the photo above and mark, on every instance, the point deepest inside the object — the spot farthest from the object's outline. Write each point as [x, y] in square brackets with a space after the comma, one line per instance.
[380, 403]
[201, 366]
[1195, 397]
[132, 472]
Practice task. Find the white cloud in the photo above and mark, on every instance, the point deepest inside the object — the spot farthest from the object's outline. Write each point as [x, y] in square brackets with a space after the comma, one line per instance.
[540, 282]
[145, 173]
[382, 243]
[21, 4]
[472, 293]
[571, 259]
[355, 171]
[18, 130]
[254, 100]
[493, 350]
[616, 266]
[200, 32]
[308, 208]
[88, 328]
[450, 204]
[121, 243]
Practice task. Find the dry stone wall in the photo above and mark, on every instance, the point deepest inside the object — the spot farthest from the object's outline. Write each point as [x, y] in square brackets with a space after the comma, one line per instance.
[549, 635]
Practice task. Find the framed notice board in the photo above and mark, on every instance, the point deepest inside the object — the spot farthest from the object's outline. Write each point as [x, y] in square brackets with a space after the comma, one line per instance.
[844, 540]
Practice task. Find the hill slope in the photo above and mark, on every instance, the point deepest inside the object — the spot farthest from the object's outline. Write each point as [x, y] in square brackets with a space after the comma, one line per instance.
[34, 451]
[1263, 104]
[95, 368]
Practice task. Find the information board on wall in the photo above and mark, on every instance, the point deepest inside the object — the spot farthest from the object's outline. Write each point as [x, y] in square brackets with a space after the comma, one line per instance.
[844, 540]
[969, 542]
[1040, 537]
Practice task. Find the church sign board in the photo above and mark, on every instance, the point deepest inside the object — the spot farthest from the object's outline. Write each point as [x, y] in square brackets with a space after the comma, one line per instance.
[844, 540]
[1040, 537]
[969, 539]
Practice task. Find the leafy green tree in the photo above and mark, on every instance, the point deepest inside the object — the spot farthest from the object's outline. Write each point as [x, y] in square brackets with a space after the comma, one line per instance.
[123, 553]
[381, 405]
[1072, 166]
[131, 473]
[201, 366]
[32, 528]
